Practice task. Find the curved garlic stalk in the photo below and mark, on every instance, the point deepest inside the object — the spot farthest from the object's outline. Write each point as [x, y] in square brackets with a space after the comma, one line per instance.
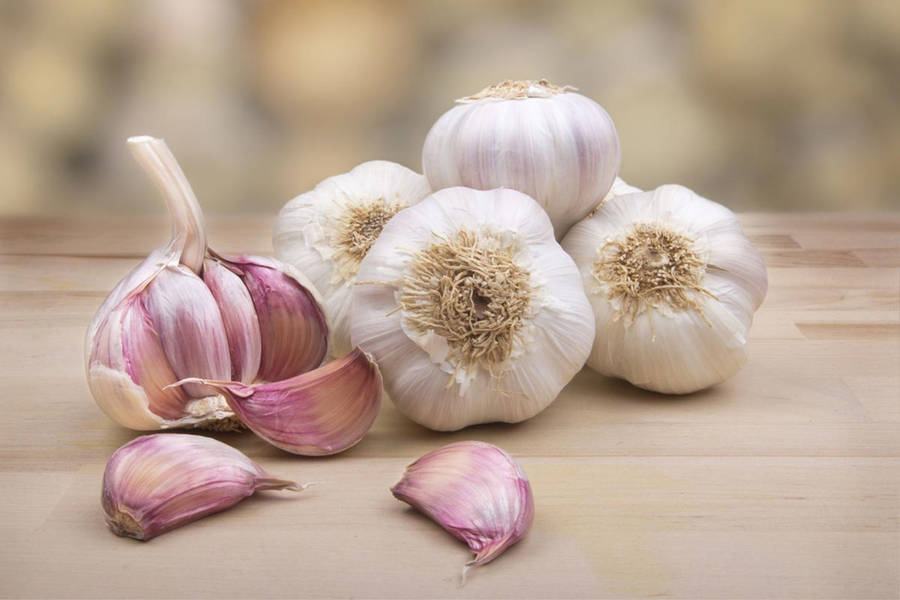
[327, 232]
[674, 284]
[475, 491]
[321, 412]
[156, 483]
[185, 311]
[557, 146]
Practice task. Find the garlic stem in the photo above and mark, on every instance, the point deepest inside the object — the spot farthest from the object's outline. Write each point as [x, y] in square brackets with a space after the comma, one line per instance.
[187, 220]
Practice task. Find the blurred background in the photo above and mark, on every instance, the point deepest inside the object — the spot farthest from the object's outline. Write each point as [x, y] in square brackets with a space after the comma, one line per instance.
[761, 105]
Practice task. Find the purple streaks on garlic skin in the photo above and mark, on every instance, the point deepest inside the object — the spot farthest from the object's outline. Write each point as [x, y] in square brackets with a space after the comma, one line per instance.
[291, 322]
[321, 412]
[156, 483]
[475, 491]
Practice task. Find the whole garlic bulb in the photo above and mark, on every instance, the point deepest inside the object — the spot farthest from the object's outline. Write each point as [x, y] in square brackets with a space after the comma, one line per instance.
[326, 232]
[557, 146]
[674, 284]
[185, 311]
[471, 309]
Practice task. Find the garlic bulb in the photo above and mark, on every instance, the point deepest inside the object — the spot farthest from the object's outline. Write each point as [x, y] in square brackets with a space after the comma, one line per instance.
[674, 284]
[326, 232]
[475, 491]
[185, 311]
[471, 309]
[158, 482]
[316, 413]
[557, 146]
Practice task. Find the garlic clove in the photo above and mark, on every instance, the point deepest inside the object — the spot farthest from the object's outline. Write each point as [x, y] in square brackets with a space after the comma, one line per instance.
[475, 491]
[189, 323]
[239, 318]
[292, 325]
[129, 370]
[156, 483]
[321, 412]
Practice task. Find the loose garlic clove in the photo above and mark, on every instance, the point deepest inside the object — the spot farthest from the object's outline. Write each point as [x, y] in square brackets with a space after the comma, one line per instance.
[326, 232]
[321, 412]
[475, 491]
[185, 312]
[472, 310]
[554, 145]
[156, 483]
[674, 284]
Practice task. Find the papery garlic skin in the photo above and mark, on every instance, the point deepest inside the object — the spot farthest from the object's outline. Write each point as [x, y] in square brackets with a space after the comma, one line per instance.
[554, 145]
[156, 483]
[475, 491]
[519, 325]
[185, 311]
[320, 412]
[325, 232]
[689, 329]
[619, 188]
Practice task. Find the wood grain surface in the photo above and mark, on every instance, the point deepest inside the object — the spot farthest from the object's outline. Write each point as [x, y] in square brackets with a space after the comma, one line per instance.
[780, 483]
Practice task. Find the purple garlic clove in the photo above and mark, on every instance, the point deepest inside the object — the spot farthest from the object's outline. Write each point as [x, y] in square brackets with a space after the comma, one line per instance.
[317, 413]
[475, 491]
[156, 483]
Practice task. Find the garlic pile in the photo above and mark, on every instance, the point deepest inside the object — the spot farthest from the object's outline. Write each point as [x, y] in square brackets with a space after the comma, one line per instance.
[557, 146]
[674, 284]
[156, 483]
[475, 491]
[185, 311]
[325, 233]
[320, 412]
[471, 309]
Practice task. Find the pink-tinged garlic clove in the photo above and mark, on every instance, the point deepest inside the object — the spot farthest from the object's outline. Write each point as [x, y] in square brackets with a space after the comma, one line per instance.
[321, 412]
[239, 318]
[292, 324]
[189, 323]
[129, 372]
[475, 491]
[156, 483]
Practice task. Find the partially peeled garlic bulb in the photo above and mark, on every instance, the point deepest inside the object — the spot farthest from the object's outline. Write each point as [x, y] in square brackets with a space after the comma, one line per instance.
[320, 412]
[471, 309]
[156, 483]
[325, 233]
[674, 284]
[557, 146]
[185, 311]
[475, 491]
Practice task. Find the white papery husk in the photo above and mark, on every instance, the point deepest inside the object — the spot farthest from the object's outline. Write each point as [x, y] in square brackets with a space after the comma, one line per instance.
[421, 380]
[662, 348]
[309, 226]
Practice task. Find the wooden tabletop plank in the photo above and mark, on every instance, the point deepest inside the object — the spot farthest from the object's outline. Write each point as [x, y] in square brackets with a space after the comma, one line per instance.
[779, 483]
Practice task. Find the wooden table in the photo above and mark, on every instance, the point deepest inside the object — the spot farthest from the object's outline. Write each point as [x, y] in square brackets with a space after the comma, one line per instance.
[780, 483]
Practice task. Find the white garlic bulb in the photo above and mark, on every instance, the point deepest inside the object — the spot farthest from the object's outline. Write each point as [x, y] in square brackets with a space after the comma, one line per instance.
[674, 284]
[471, 309]
[557, 146]
[326, 232]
